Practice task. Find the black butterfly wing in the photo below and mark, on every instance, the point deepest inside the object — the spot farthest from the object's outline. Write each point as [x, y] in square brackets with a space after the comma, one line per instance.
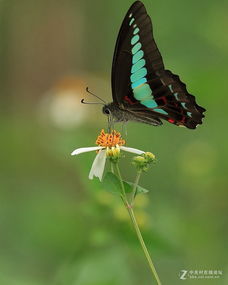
[136, 17]
[140, 83]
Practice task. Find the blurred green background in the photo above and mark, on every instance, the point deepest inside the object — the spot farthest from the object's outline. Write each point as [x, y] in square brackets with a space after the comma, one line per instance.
[56, 226]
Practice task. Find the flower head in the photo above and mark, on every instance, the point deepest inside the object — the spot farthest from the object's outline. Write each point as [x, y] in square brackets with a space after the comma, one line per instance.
[113, 153]
[110, 139]
[143, 161]
[109, 145]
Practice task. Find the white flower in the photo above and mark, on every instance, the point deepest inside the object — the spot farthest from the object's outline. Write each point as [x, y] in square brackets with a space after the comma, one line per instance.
[106, 148]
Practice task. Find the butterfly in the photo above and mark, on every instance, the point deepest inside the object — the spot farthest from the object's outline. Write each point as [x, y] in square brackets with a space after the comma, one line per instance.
[142, 89]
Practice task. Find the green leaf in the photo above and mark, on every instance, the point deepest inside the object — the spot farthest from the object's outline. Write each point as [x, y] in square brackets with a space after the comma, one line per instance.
[129, 188]
[111, 183]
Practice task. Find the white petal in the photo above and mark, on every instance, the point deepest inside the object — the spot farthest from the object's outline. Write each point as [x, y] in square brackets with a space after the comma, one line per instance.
[131, 149]
[98, 165]
[85, 149]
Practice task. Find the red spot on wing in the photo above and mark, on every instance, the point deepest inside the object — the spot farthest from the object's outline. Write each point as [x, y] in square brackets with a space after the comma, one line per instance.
[128, 100]
[164, 99]
[171, 121]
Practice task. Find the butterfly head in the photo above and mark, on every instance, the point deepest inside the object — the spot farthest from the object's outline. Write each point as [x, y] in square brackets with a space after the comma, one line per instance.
[111, 109]
[108, 109]
[114, 112]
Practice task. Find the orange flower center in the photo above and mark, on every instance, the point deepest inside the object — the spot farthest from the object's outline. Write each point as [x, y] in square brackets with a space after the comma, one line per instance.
[109, 139]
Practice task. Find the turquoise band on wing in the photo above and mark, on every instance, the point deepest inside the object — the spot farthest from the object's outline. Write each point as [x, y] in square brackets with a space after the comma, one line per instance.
[141, 90]
[135, 39]
[138, 83]
[132, 20]
[183, 104]
[138, 65]
[161, 111]
[136, 48]
[149, 103]
[142, 93]
[136, 30]
[136, 57]
[138, 74]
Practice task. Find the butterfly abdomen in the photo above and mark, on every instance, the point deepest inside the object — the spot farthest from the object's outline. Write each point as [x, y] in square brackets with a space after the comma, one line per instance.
[121, 114]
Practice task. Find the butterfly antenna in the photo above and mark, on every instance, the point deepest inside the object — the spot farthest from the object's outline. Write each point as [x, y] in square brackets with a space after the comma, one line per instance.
[83, 100]
[93, 103]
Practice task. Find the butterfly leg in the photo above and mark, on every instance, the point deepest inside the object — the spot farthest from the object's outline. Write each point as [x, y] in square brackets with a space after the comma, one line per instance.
[124, 128]
[110, 123]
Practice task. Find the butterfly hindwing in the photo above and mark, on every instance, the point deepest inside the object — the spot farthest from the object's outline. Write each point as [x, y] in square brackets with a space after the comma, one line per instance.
[139, 81]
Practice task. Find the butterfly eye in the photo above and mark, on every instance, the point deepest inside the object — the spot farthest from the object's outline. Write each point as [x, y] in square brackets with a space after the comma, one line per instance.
[106, 111]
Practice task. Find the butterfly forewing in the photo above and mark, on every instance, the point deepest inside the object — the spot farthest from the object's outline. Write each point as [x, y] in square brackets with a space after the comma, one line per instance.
[136, 24]
[140, 83]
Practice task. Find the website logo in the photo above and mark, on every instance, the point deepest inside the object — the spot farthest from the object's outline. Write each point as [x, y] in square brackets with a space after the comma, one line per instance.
[200, 274]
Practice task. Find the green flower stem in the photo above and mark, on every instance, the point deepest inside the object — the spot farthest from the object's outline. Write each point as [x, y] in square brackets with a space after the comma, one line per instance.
[112, 168]
[135, 186]
[143, 245]
[135, 224]
[121, 182]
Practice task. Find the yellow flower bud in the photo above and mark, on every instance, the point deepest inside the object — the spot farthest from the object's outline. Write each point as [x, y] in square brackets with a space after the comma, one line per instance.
[139, 159]
[149, 155]
[142, 162]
